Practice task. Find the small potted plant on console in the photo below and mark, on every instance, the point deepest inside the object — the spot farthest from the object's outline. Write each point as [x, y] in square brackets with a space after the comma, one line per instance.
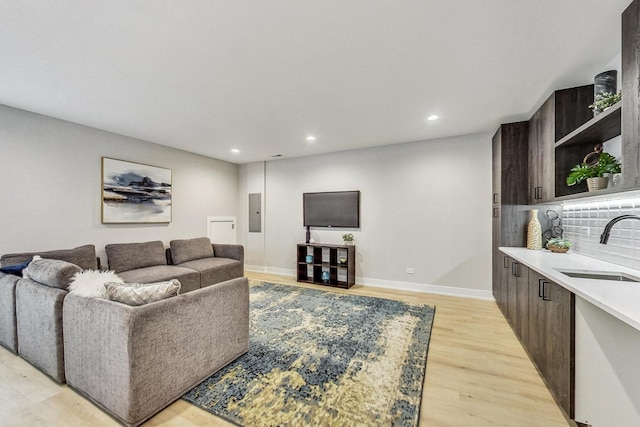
[347, 238]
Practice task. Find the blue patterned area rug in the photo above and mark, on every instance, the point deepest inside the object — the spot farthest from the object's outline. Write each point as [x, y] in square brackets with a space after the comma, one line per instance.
[320, 358]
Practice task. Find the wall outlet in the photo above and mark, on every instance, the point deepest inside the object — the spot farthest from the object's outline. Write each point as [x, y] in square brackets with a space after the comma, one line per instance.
[410, 270]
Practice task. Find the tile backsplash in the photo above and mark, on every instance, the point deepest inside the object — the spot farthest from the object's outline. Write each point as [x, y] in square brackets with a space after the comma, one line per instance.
[583, 222]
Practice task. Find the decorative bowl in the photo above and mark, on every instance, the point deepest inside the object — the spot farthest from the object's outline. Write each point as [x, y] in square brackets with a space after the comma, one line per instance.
[558, 249]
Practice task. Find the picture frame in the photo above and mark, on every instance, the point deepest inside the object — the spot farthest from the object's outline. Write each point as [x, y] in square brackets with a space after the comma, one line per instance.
[135, 193]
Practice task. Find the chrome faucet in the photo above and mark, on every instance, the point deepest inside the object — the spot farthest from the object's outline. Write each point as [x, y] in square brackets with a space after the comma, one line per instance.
[604, 237]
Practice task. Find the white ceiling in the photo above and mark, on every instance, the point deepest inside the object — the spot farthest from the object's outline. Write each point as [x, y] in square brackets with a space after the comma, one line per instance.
[209, 75]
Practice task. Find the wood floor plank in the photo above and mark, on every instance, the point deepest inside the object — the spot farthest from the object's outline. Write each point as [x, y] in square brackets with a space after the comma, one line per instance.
[477, 375]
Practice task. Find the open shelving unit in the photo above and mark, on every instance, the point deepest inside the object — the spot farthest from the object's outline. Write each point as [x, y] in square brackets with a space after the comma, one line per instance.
[601, 128]
[571, 149]
[314, 259]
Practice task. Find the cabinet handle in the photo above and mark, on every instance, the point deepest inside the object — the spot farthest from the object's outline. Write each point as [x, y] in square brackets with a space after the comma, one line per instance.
[540, 287]
[536, 193]
[514, 269]
[544, 296]
[505, 262]
[495, 212]
[495, 198]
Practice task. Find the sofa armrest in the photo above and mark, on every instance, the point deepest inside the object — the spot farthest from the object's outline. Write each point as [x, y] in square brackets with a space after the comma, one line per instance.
[152, 354]
[8, 331]
[229, 251]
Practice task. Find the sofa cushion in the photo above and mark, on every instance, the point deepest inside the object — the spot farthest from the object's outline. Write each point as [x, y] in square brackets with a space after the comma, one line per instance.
[142, 293]
[51, 272]
[215, 270]
[82, 256]
[129, 256]
[190, 249]
[189, 279]
[15, 269]
[90, 283]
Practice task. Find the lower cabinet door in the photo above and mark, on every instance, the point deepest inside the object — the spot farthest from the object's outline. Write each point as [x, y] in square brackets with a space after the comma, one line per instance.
[551, 338]
[560, 339]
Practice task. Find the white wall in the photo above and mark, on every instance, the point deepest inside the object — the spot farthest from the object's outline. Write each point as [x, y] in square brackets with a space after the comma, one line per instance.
[424, 205]
[51, 177]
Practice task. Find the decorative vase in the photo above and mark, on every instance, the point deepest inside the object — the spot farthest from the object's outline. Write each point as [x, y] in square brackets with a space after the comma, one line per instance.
[606, 82]
[599, 183]
[325, 276]
[309, 259]
[534, 232]
[348, 242]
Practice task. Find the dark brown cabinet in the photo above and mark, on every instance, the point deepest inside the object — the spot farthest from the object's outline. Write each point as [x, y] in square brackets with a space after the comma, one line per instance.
[631, 95]
[542, 315]
[517, 306]
[563, 112]
[541, 140]
[502, 282]
[551, 337]
[330, 265]
[509, 198]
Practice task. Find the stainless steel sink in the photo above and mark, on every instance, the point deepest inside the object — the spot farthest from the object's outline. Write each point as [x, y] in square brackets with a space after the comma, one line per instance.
[600, 275]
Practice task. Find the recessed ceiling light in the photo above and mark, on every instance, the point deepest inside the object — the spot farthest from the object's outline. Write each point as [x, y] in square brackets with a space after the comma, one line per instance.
[235, 150]
[311, 138]
[433, 117]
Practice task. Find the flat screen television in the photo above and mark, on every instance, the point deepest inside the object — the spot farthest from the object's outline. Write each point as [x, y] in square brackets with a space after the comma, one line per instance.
[332, 209]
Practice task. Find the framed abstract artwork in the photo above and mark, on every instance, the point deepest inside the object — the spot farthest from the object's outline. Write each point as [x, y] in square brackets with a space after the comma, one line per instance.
[135, 193]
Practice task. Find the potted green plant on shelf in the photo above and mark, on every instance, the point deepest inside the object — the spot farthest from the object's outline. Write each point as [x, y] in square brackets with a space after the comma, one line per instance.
[604, 100]
[594, 173]
[558, 244]
[347, 238]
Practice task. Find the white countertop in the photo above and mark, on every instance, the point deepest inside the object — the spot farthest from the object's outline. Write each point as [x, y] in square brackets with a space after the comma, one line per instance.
[620, 299]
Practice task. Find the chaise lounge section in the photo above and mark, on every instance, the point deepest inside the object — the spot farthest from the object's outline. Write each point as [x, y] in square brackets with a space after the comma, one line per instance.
[134, 361]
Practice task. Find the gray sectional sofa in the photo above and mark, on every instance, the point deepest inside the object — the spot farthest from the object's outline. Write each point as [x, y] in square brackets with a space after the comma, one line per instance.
[131, 361]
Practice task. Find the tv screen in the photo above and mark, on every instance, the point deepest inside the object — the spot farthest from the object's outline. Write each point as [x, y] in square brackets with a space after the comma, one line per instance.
[332, 209]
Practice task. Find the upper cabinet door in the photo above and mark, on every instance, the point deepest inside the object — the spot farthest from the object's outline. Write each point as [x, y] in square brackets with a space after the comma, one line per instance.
[563, 112]
[541, 153]
[630, 96]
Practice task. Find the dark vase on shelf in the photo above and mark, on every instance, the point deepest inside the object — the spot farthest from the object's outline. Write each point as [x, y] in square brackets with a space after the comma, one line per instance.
[605, 82]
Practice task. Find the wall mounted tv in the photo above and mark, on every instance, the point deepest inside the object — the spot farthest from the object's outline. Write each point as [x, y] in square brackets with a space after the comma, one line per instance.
[332, 209]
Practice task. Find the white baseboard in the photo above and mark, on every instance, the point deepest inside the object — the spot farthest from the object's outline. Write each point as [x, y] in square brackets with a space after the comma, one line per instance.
[431, 289]
[391, 284]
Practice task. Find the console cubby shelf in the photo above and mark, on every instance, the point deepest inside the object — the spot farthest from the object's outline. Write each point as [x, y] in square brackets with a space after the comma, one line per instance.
[326, 258]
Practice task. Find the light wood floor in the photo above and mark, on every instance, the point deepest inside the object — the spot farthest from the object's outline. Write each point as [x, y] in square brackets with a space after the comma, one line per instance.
[477, 375]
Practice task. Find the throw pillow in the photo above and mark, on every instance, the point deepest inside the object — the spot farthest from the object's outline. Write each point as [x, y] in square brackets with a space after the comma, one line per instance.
[15, 269]
[90, 283]
[142, 293]
[190, 249]
[51, 272]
